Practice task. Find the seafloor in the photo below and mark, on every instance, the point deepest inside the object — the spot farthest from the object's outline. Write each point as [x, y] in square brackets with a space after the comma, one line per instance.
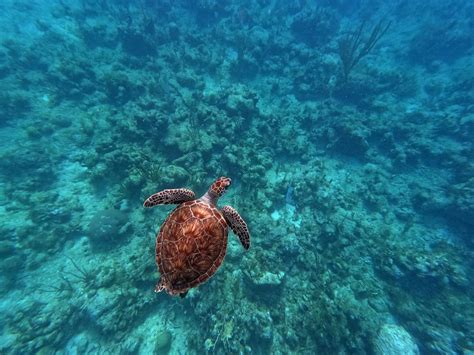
[357, 182]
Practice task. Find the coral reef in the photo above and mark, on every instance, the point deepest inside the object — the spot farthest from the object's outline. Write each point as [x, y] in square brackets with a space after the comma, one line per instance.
[350, 153]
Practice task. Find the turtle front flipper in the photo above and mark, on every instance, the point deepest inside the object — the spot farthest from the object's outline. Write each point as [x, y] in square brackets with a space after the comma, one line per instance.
[169, 196]
[237, 224]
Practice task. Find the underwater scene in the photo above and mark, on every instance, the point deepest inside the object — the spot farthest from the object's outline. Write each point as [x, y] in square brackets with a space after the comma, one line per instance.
[236, 177]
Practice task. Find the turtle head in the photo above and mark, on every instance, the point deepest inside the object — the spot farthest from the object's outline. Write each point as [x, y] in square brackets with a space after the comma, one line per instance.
[219, 186]
[216, 190]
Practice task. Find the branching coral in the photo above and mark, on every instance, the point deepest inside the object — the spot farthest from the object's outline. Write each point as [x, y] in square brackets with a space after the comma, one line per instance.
[79, 275]
[352, 48]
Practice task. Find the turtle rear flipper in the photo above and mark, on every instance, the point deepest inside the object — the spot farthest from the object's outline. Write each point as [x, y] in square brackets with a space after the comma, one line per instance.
[169, 196]
[237, 224]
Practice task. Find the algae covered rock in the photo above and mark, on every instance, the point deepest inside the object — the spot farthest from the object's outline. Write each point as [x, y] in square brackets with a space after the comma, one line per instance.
[393, 340]
[241, 101]
[265, 286]
[462, 201]
[107, 226]
[237, 104]
[174, 174]
[268, 279]
[113, 312]
[314, 26]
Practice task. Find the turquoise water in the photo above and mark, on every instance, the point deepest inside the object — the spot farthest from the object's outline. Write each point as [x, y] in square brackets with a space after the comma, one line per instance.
[347, 129]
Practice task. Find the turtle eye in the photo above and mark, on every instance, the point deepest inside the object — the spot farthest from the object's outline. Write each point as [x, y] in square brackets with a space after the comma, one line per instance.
[220, 185]
[224, 181]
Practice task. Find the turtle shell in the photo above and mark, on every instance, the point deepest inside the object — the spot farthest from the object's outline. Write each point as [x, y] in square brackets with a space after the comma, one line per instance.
[191, 245]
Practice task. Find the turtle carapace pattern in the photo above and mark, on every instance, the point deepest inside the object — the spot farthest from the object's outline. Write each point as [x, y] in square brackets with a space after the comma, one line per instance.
[192, 241]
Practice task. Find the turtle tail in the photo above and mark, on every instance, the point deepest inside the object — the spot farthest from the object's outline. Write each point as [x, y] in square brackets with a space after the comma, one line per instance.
[160, 286]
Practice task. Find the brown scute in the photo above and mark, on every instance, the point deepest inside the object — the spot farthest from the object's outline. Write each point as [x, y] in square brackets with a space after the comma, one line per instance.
[167, 267]
[185, 249]
[177, 280]
[191, 228]
[214, 230]
[171, 229]
[202, 264]
[182, 214]
[201, 212]
[217, 214]
[191, 245]
[169, 248]
[190, 275]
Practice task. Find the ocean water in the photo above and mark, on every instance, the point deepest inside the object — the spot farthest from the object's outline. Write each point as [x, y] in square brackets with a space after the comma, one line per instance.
[347, 128]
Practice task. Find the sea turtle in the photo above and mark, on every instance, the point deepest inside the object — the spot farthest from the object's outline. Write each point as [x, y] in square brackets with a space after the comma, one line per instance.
[192, 241]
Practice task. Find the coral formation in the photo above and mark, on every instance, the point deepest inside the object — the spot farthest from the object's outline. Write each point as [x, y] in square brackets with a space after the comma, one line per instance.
[107, 227]
[350, 155]
[393, 339]
[163, 343]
